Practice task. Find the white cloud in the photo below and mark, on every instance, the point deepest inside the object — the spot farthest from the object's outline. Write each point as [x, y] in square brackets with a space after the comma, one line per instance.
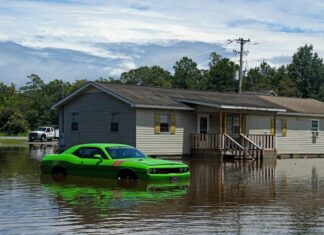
[280, 27]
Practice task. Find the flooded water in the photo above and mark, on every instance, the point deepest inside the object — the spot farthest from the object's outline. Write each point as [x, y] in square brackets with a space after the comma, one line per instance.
[278, 196]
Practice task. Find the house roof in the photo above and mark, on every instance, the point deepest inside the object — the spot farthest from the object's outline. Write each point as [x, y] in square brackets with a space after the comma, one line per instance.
[297, 105]
[154, 97]
[142, 96]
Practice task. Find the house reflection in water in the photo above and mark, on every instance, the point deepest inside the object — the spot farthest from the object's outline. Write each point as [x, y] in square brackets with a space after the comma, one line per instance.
[232, 181]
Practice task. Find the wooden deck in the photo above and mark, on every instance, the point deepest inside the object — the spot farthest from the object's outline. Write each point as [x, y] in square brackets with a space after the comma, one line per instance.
[248, 146]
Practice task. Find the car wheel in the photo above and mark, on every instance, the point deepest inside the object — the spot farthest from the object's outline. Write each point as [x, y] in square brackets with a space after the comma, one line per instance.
[127, 178]
[31, 140]
[127, 175]
[43, 138]
[59, 173]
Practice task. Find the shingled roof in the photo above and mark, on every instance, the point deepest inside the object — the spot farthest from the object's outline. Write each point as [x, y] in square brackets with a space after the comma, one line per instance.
[141, 96]
[154, 97]
[297, 105]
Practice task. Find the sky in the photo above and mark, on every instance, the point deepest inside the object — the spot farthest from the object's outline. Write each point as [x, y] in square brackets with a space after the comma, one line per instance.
[70, 39]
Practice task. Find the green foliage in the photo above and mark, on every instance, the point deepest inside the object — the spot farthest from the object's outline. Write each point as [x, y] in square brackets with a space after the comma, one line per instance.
[147, 76]
[109, 80]
[303, 77]
[220, 76]
[261, 78]
[30, 107]
[12, 122]
[307, 70]
[186, 74]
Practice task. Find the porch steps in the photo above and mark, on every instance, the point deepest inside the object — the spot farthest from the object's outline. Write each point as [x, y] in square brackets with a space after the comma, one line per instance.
[222, 144]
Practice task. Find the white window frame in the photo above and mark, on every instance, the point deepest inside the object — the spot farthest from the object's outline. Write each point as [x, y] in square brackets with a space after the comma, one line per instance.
[198, 122]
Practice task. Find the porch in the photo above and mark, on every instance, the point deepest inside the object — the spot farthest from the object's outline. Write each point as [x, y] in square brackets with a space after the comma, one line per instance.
[227, 134]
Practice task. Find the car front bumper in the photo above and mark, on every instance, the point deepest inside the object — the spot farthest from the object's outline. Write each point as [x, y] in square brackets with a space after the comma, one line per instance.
[172, 178]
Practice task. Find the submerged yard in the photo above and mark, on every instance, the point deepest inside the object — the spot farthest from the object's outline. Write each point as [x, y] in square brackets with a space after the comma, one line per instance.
[273, 196]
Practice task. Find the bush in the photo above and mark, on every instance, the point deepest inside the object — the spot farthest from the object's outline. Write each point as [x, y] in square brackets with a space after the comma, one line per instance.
[12, 122]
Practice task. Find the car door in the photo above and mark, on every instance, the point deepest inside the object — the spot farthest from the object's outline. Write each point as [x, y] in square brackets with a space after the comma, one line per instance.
[52, 132]
[48, 133]
[89, 164]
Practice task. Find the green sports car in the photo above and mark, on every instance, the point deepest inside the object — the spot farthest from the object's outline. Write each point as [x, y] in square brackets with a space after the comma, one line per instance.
[115, 161]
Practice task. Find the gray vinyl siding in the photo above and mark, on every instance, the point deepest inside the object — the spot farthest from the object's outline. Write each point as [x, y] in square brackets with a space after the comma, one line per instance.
[299, 136]
[164, 143]
[94, 109]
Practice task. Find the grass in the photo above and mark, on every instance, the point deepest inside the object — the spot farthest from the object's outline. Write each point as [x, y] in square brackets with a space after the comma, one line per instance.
[2, 134]
[13, 141]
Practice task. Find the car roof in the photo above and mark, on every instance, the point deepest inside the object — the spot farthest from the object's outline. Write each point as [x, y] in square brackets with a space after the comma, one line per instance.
[103, 145]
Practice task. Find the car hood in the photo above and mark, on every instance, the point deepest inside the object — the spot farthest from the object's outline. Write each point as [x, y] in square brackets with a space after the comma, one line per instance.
[37, 132]
[155, 162]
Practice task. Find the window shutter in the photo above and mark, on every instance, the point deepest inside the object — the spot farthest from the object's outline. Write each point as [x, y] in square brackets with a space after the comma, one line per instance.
[156, 124]
[272, 127]
[284, 127]
[173, 124]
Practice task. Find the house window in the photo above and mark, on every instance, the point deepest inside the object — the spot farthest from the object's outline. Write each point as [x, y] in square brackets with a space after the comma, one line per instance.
[164, 123]
[75, 122]
[315, 125]
[114, 122]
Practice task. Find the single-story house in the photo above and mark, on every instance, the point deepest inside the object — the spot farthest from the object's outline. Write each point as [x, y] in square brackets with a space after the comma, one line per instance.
[162, 121]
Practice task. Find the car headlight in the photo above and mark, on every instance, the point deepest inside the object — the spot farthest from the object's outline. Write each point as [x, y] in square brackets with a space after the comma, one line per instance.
[152, 171]
[185, 169]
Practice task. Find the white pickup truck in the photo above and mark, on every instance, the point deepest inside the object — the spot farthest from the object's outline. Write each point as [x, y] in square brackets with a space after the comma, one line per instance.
[45, 133]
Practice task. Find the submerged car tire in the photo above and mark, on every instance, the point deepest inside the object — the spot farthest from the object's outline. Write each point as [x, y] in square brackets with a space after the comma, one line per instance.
[127, 174]
[127, 178]
[43, 138]
[59, 173]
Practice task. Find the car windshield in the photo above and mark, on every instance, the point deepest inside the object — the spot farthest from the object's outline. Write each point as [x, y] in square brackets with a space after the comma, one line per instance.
[41, 129]
[124, 152]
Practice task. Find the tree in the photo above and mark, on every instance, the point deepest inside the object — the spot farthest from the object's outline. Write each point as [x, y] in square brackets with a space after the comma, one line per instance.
[109, 80]
[306, 69]
[262, 77]
[12, 122]
[6, 93]
[221, 74]
[186, 74]
[147, 76]
[285, 85]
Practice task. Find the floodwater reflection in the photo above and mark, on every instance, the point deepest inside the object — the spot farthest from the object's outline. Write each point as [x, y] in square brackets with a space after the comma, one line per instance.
[241, 197]
[107, 197]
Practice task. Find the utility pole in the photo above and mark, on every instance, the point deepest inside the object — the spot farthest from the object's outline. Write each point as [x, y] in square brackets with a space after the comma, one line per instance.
[241, 41]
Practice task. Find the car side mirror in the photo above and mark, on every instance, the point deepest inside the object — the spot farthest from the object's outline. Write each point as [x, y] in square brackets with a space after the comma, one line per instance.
[97, 156]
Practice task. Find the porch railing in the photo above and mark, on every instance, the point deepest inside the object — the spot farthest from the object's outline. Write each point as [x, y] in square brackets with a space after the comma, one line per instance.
[252, 149]
[263, 140]
[249, 145]
[232, 146]
[207, 141]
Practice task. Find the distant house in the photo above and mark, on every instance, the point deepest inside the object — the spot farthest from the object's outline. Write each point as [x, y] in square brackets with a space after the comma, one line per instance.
[162, 121]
